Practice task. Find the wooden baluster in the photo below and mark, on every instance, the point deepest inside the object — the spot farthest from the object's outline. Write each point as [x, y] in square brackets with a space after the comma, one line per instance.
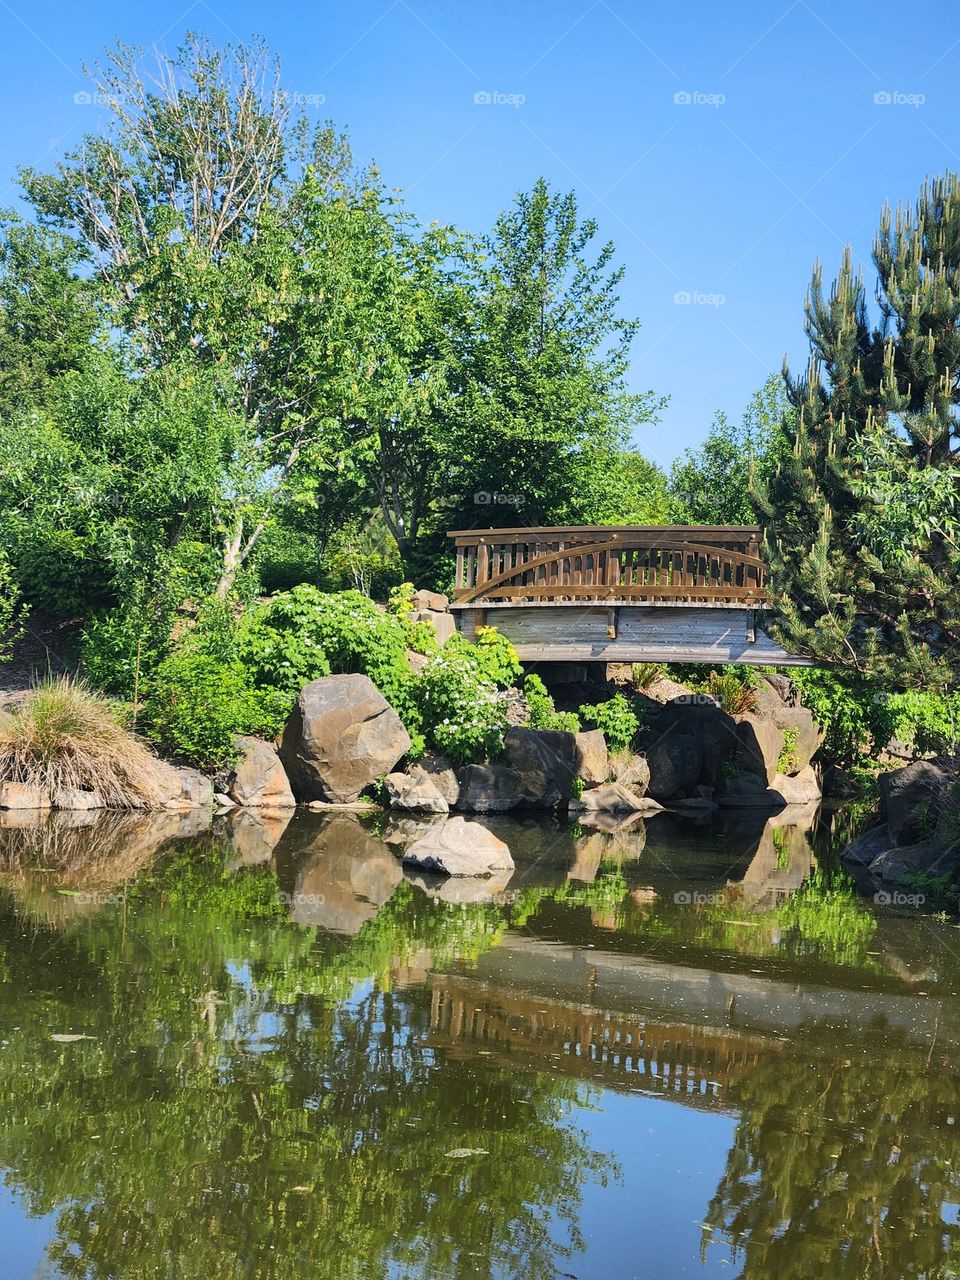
[483, 564]
[471, 568]
[458, 580]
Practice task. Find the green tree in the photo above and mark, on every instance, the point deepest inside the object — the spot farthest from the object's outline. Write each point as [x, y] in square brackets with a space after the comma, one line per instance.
[709, 485]
[543, 405]
[861, 513]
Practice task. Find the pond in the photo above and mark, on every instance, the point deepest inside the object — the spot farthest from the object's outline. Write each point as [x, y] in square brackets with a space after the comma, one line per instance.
[259, 1049]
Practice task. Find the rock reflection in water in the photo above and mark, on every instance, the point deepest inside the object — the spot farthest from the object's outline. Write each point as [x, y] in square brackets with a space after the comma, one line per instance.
[342, 876]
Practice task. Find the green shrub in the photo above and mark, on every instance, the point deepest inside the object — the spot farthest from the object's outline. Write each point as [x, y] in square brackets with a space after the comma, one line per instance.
[495, 657]
[543, 714]
[787, 759]
[196, 705]
[459, 710]
[617, 720]
[930, 721]
[854, 711]
[12, 612]
[306, 633]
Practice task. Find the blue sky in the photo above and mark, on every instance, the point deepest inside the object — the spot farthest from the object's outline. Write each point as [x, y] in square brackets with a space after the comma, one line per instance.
[794, 122]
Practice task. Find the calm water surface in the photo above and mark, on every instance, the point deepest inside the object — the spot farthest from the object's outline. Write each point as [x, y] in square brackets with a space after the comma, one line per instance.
[262, 1050]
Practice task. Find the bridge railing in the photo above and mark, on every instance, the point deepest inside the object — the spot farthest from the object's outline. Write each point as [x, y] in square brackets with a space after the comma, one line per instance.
[647, 564]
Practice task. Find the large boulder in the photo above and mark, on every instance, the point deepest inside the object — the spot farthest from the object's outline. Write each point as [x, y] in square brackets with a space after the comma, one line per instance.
[194, 790]
[22, 795]
[632, 771]
[749, 791]
[675, 761]
[416, 791]
[258, 780]
[488, 788]
[760, 743]
[798, 788]
[912, 799]
[592, 757]
[341, 736]
[546, 760]
[459, 848]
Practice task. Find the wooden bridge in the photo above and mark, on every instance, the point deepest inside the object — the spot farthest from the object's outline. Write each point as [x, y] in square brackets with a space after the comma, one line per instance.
[637, 593]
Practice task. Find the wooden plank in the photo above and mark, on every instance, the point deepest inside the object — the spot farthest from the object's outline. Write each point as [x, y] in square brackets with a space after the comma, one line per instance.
[585, 590]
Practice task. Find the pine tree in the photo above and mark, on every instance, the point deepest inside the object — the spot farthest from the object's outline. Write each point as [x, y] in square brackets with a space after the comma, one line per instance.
[863, 513]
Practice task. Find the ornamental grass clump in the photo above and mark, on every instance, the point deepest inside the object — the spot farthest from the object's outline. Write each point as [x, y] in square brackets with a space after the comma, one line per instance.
[65, 737]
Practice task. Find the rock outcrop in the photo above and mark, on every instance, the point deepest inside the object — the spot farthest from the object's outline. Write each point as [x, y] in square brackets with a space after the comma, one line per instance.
[258, 780]
[546, 760]
[341, 736]
[488, 788]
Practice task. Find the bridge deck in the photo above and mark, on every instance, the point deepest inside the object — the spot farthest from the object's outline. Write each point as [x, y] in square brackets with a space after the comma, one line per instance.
[637, 593]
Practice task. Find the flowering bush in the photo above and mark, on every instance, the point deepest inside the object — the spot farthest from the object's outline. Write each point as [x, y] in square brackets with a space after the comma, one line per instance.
[459, 710]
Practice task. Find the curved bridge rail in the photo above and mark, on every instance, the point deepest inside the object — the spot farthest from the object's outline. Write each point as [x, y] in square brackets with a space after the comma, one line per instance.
[718, 566]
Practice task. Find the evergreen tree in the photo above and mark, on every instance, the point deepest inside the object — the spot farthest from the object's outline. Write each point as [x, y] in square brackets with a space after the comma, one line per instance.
[863, 512]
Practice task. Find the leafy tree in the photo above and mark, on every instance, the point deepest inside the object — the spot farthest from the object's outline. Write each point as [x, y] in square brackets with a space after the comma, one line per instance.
[543, 406]
[861, 513]
[709, 485]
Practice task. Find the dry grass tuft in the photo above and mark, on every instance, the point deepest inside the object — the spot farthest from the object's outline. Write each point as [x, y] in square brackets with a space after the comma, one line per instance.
[734, 696]
[63, 736]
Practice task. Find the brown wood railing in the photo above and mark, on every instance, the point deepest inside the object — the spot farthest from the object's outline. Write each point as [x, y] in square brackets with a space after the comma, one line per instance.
[660, 564]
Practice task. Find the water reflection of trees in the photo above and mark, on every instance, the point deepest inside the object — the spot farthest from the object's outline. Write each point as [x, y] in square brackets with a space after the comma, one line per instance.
[844, 1165]
[231, 1118]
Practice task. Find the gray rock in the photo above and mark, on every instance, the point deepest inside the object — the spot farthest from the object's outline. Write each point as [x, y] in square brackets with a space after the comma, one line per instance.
[459, 848]
[433, 600]
[341, 736]
[592, 757]
[798, 788]
[75, 799]
[750, 792]
[443, 775]
[546, 760]
[258, 780]
[614, 797]
[632, 771]
[675, 760]
[911, 799]
[759, 746]
[868, 846]
[488, 788]
[443, 623]
[416, 791]
[196, 791]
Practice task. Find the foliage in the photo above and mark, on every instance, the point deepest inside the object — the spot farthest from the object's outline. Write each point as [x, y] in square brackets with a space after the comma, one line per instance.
[861, 512]
[787, 760]
[63, 735]
[494, 655]
[305, 633]
[709, 485]
[13, 612]
[930, 721]
[616, 718]
[853, 710]
[196, 704]
[460, 712]
[543, 714]
[735, 696]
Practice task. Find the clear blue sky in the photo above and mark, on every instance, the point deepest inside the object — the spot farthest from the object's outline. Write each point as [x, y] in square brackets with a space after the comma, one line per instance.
[783, 155]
